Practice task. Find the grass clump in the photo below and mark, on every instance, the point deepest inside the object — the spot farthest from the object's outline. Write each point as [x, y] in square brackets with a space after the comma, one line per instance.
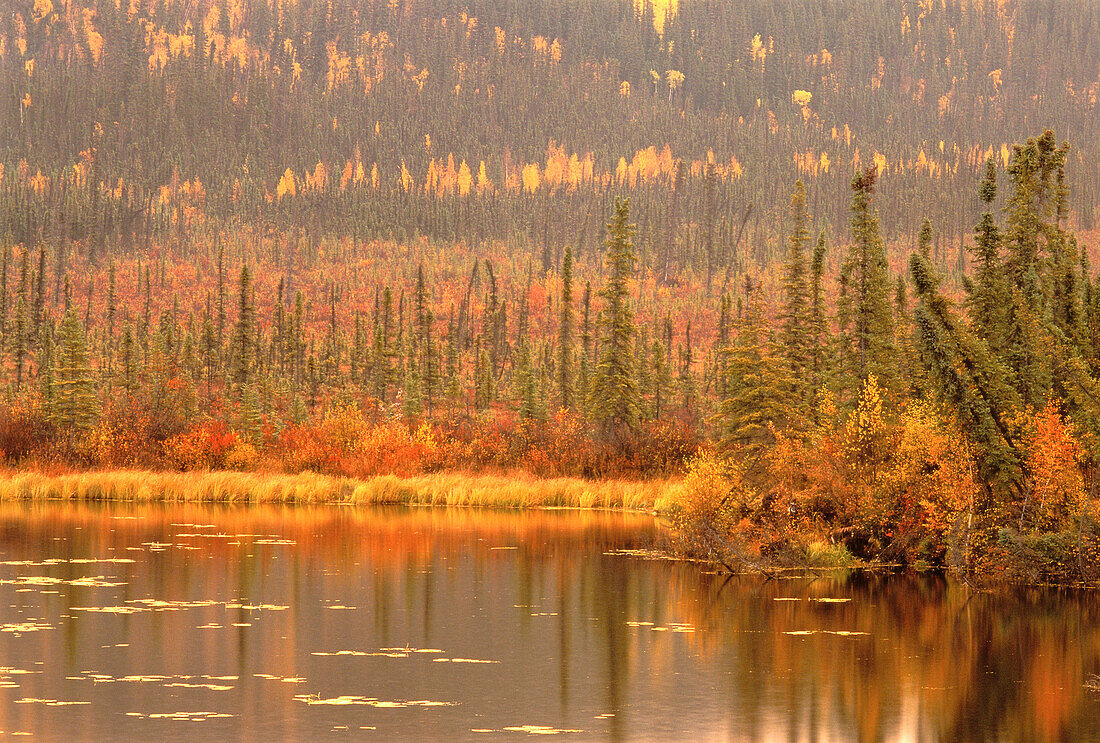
[437, 489]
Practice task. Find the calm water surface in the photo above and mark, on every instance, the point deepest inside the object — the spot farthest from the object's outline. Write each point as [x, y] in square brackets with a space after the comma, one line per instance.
[273, 624]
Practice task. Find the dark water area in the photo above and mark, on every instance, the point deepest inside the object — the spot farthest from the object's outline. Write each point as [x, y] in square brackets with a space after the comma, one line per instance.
[191, 623]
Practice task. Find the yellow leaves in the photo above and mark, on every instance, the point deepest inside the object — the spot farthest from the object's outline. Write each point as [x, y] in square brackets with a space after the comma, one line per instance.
[995, 76]
[406, 178]
[501, 39]
[757, 48]
[42, 9]
[801, 97]
[427, 142]
[465, 179]
[880, 162]
[319, 179]
[662, 11]
[287, 185]
[823, 162]
[374, 176]
[624, 89]
[210, 22]
[28, 66]
[484, 185]
[555, 52]
[943, 103]
[531, 178]
[237, 50]
[1005, 155]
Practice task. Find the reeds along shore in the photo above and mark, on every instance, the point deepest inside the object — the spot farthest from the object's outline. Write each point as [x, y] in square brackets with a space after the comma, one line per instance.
[439, 489]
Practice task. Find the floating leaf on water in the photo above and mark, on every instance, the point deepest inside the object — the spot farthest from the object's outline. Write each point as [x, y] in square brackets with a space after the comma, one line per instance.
[187, 685]
[340, 606]
[841, 633]
[539, 730]
[285, 680]
[462, 660]
[21, 627]
[184, 716]
[48, 702]
[349, 699]
[830, 601]
[786, 598]
[639, 624]
[339, 652]
[410, 650]
[257, 607]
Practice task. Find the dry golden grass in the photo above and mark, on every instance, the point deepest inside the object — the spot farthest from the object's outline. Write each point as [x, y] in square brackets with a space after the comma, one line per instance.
[439, 489]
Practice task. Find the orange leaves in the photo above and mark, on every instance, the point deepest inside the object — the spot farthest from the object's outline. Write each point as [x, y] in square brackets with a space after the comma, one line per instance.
[42, 9]
[531, 178]
[203, 446]
[287, 185]
[1052, 452]
[465, 179]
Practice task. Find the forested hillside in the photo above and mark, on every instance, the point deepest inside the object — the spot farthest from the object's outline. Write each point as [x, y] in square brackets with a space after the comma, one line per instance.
[128, 123]
[798, 252]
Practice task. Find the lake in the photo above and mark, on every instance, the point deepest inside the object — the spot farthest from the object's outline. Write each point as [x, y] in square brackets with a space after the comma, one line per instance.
[194, 623]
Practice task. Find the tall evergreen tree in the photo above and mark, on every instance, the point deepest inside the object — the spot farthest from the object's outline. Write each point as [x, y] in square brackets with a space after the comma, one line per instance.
[867, 302]
[758, 386]
[796, 312]
[613, 399]
[244, 334]
[76, 404]
[565, 333]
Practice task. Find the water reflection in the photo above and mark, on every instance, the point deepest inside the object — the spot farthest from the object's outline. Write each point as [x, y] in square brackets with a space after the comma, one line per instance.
[268, 624]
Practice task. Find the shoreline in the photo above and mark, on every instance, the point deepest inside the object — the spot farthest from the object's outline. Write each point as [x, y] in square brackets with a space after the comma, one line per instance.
[308, 488]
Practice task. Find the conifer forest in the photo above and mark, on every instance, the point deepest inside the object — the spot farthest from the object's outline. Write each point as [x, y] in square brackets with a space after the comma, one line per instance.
[820, 273]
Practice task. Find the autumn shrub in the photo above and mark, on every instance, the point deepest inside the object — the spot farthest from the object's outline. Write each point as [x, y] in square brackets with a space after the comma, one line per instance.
[706, 508]
[242, 456]
[127, 440]
[24, 430]
[205, 445]
[393, 449]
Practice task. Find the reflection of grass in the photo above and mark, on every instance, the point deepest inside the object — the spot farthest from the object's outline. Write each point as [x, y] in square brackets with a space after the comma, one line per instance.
[444, 489]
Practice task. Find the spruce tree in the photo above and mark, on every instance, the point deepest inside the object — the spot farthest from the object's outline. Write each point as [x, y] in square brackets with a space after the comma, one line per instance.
[867, 301]
[817, 328]
[244, 334]
[989, 299]
[758, 386]
[796, 313]
[565, 333]
[76, 406]
[613, 399]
